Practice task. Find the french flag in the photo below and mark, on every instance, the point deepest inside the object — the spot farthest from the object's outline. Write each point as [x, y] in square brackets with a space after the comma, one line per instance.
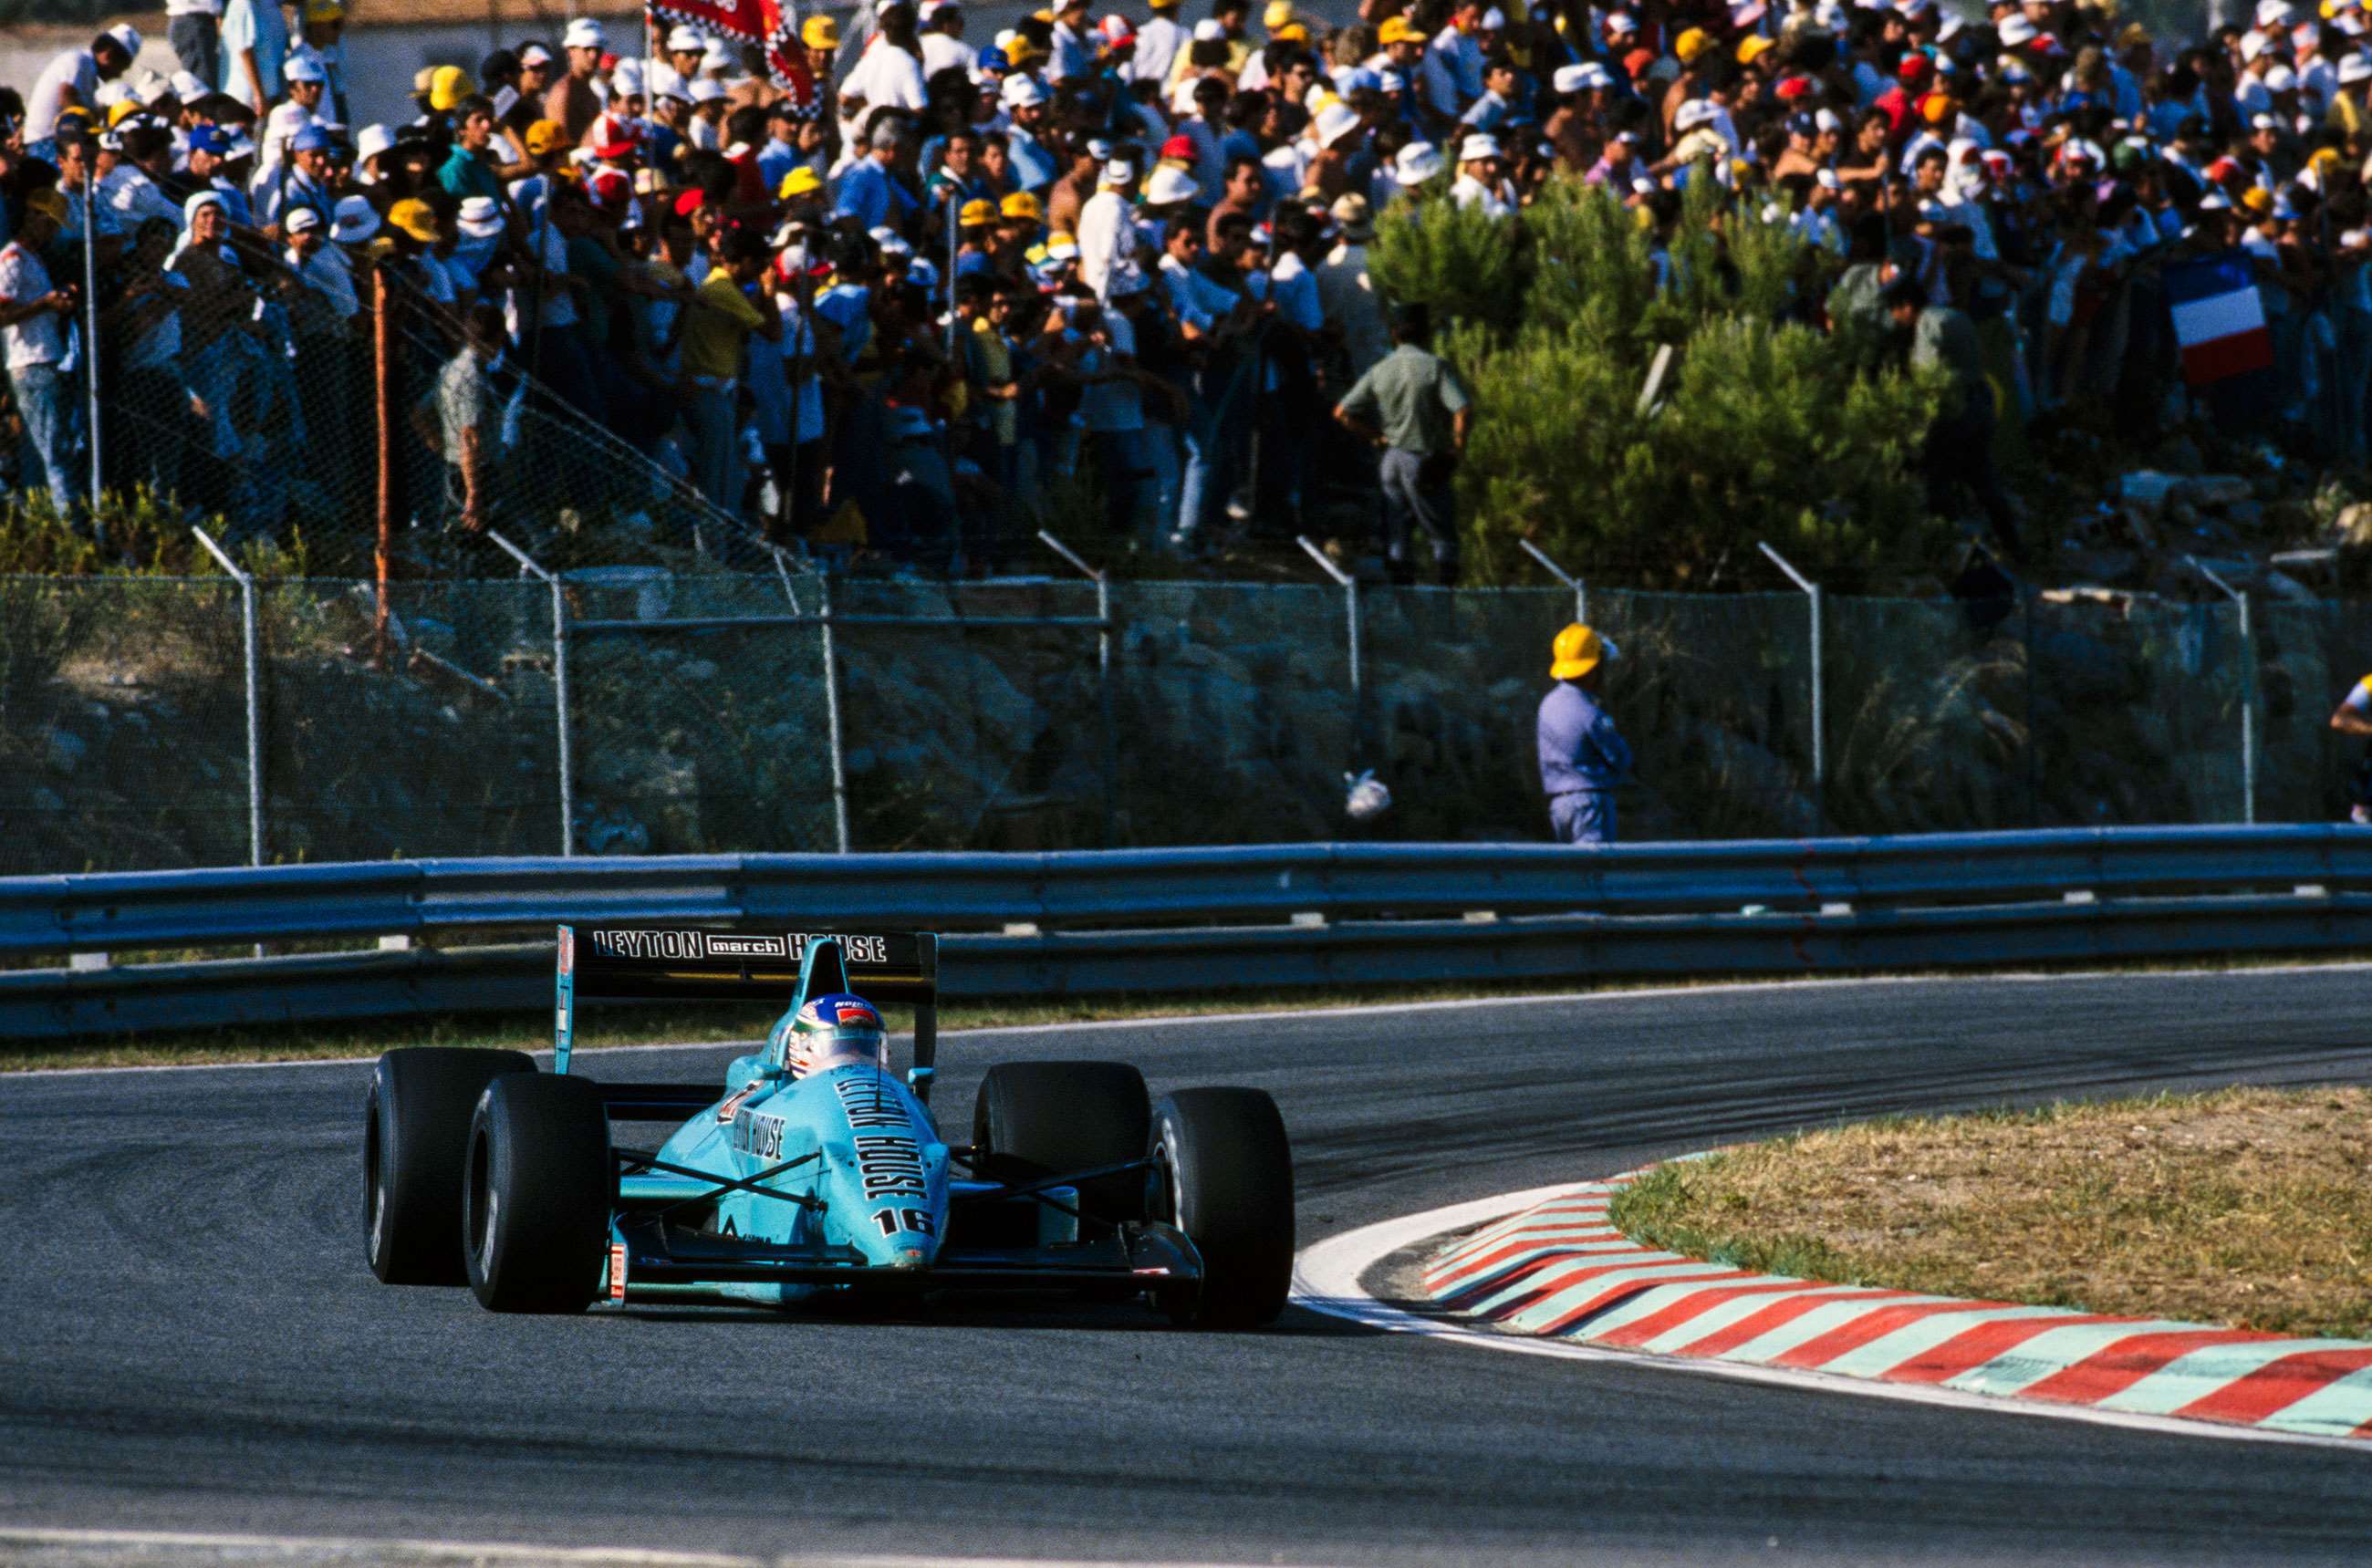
[2218, 319]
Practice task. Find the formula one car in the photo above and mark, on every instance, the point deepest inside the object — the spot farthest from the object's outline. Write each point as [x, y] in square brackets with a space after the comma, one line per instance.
[814, 1171]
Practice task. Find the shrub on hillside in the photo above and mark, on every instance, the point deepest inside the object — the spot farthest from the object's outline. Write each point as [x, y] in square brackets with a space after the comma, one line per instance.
[1763, 429]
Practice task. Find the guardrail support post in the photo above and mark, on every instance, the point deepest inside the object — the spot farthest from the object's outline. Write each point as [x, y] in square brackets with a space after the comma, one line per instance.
[251, 639]
[1103, 674]
[2248, 691]
[1820, 745]
[831, 715]
[1350, 587]
[559, 688]
[1580, 589]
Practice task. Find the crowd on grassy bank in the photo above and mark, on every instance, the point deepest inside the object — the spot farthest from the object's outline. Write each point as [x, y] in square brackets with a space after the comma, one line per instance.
[891, 292]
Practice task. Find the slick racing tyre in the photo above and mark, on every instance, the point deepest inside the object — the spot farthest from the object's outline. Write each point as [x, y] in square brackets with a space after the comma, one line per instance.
[416, 1132]
[1034, 1119]
[1222, 1174]
[535, 1194]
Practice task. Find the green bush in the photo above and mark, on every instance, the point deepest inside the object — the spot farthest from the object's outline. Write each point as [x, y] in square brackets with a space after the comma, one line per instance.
[1763, 429]
[135, 533]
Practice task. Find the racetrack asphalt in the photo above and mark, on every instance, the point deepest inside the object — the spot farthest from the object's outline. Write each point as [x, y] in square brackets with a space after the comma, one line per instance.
[190, 1339]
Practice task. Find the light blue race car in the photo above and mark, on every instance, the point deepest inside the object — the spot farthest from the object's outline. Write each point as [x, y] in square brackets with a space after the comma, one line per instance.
[814, 1171]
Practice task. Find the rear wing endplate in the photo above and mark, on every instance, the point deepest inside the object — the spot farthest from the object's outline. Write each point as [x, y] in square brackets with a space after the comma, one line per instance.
[659, 963]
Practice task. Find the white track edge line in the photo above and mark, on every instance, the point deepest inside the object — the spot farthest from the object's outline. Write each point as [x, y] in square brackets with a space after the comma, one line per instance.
[528, 1552]
[1717, 988]
[1327, 1274]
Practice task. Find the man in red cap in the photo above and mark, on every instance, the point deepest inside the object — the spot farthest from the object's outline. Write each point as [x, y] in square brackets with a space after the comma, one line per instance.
[1899, 102]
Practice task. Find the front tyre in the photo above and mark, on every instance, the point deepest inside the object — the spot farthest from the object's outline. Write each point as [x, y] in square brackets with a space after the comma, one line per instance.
[416, 1134]
[535, 1194]
[1223, 1172]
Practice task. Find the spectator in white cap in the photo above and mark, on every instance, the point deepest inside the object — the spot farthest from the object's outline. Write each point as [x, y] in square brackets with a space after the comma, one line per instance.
[573, 100]
[1107, 231]
[1483, 178]
[328, 300]
[685, 45]
[355, 221]
[1417, 165]
[942, 38]
[72, 78]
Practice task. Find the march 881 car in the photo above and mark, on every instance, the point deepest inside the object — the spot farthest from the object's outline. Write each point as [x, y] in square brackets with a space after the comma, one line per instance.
[813, 1169]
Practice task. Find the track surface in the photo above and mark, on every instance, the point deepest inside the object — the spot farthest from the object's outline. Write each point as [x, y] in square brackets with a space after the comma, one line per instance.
[192, 1342]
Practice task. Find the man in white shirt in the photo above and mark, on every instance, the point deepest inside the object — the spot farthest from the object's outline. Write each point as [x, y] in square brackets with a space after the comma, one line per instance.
[38, 349]
[1482, 179]
[71, 79]
[1108, 231]
[254, 47]
[1158, 43]
[128, 171]
[889, 75]
[942, 38]
[1074, 43]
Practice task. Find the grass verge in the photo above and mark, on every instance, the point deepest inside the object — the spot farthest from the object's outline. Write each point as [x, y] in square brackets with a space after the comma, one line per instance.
[2247, 1206]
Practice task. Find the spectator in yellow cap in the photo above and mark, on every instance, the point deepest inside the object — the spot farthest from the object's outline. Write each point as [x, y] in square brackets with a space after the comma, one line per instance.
[1583, 756]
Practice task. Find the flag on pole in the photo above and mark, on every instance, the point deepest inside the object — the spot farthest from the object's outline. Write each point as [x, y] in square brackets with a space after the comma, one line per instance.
[2218, 318]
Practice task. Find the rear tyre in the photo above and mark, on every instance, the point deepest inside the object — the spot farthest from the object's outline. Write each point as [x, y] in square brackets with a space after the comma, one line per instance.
[535, 1194]
[416, 1134]
[1034, 1119]
[1223, 1173]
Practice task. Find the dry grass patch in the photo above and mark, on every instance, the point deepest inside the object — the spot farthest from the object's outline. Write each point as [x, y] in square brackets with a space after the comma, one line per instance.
[2249, 1207]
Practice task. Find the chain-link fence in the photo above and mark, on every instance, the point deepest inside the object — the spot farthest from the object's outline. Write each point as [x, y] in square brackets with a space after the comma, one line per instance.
[754, 712]
[261, 403]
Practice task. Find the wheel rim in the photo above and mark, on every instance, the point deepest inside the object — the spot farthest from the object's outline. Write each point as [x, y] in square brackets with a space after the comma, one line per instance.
[374, 1194]
[481, 1202]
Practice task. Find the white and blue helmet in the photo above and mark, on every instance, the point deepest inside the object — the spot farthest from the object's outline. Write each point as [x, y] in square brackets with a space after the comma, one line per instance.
[835, 1030]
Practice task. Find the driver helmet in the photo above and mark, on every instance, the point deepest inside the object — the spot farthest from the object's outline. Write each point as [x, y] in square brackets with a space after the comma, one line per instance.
[835, 1030]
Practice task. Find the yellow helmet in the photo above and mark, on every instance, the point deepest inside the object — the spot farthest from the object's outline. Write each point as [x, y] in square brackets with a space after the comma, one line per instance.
[1576, 652]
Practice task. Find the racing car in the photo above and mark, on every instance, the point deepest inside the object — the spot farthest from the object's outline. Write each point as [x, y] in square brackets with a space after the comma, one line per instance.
[812, 1170]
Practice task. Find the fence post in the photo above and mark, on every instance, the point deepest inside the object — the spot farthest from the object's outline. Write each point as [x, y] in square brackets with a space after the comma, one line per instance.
[559, 688]
[1820, 752]
[383, 406]
[2248, 691]
[90, 347]
[1103, 674]
[1350, 587]
[252, 641]
[1580, 589]
[831, 715]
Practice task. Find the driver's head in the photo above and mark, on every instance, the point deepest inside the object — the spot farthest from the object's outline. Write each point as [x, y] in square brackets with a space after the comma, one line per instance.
[835, 1031]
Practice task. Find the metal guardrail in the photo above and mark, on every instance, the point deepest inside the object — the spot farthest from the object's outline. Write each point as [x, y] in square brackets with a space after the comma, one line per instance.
[1268, 917]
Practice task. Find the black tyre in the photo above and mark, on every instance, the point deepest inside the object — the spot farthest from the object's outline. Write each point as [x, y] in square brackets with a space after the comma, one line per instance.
[535, 1194]
[416, 1134]
[1224, 1173]
[1034, 1119]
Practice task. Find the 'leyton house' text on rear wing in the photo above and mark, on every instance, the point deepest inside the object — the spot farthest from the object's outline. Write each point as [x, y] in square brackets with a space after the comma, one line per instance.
[688, 963]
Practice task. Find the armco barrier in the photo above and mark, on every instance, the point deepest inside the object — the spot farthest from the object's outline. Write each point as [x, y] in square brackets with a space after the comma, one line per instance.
[1266, 917]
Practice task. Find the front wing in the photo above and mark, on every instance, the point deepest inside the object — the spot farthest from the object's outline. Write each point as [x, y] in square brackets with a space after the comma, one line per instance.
[652, 1259]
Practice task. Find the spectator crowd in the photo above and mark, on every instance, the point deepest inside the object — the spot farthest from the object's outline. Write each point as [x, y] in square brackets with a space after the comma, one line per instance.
[903, 290]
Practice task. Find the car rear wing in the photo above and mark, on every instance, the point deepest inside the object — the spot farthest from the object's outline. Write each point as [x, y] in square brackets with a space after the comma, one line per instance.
[686, 963]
